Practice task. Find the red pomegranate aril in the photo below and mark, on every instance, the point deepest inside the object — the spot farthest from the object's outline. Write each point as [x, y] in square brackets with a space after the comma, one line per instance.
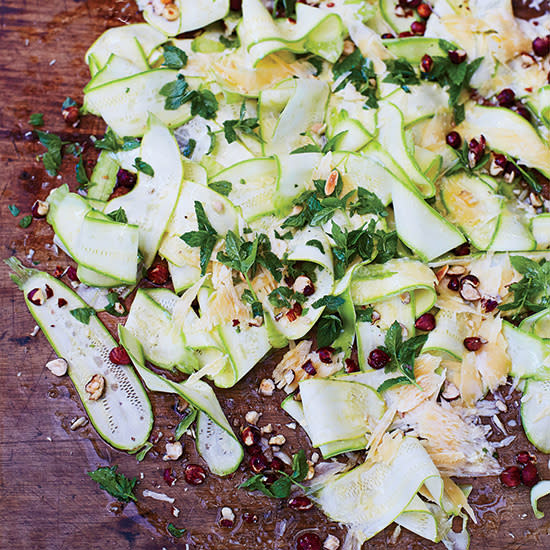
[254, 449]
[300, 503]
[424, 10]
[248, 517]
[309, 368]
[523, 111]
[119, 356]
[49, 291]
[454, 283]
[226, 523]
[475, 151]
[250, 436]
[418, 27]
[309, 290]
[490, 305]
[530, 475]
[258, 463]
[308, 541]
[426, 63]
[405, 34]
[350, 365]
[453, 139]
[511, 476]
[462, 250]
[410, 4]
[71, 274]
[387, 36]
[158, 274]
[125, 178]
[325, 355]
[277, 465]
[457, 56]
[235, 4]
[61, 302]
[524, 458]
[36, 296]
[506, 97]
[169, 476]
[269, 478]
[378, 359]
[425, 322]
[473, 343]
[71, 114]
[194, 474]
[541, 46]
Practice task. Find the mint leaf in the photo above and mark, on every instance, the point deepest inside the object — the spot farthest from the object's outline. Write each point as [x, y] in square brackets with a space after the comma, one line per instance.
[81, 176]
[329, 327]
[14, 210]
[175, 531]
[25, 221]
[222, 187]
[142, 166]
[69, 102]
[118, 215]
[183, 426]
[111, 142]
[117, 485]
[360, 73]
[368, 203]
[83, 314]
[402, 73]
[113, 299]
[174, 58]
[36, 119]
[331, 303]
[244, 125]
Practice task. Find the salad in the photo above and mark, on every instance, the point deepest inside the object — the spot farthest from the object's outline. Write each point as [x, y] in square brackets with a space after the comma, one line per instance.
[362, 185]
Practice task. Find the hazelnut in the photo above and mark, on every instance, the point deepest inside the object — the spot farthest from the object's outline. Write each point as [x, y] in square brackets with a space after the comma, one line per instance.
[40, 209]
[36, 296]
[277, 440]
[57, 366]
[95, 387]
[252, 417]
[331, 543]
[267, 387]
[301, 284]
[171, 12]
[173, 451]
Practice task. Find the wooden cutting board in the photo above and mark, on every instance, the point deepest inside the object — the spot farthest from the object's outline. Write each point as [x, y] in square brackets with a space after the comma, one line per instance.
[47, 501]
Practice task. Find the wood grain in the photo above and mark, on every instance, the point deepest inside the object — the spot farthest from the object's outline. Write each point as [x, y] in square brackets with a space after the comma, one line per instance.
[47, 500]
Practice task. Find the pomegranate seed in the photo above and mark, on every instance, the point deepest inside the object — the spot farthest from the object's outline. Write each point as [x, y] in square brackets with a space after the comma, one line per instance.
[424, 10]
[425, 322]
[506, 97]
[426, 63]
[511, 172]
[269, 478]
[411, 4]
[40, 209]
[418, 27]
[511, 476]
[330, 5]
[541, 46]
[226, 523]
[169, 477]
[524, 458]
[71, 274]
[125, 178]
[490, 305]
[462, 250]
[473, 343]
[475, 151]
[71, 114]
[300, 503]
[254, 449]
[325, 355]
[350, 366]
[378, 359]
[405, 34]
[36, 296]
[277, 465]
[457, 56]
[49, 292]
[387, 35]
[194, 474]
[309, 368]
[250, 518]
[258, 463]
[61, 302]
[309, 290]
[523, 111]
[158, 274]
[235, 323]
[295, 312]
[454, 283]
[530, 475]
[250, 436]
[119, 356]
[235, 4]
[453, 139]
[308, 541]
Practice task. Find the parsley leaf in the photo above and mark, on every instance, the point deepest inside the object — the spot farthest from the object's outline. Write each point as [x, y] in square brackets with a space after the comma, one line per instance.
[361, 75]
[205, 238]
[230, 41]
[189, 148]
[142, 166]
[402, 355]
[364, 315]
[402, 73]
[368, 203]
[14, 210]
[329, 327]
[222, 187]
[203, 102]
[284, 8]
[111, 142]
[463, 162]
[117, 485]
[118, 215]
[248, 297]
[83, 314]
[331, 303]
[36, 119]
[317, 244]
[243, 125]
[54, 145]
[81, 175]
[25, 221]
[174, 58]
[533, 291]
[113, 299]
[175, 531]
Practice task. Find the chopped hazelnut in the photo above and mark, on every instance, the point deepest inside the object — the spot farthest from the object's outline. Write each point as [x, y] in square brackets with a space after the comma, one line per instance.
[173, 451]
[252, 417]
[331, 543]
[95, 387]
[57, 366]
[277, 440]
[267, 387]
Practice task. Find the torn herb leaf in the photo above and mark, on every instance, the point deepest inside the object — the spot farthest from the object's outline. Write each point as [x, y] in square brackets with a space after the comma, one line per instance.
[117, 485]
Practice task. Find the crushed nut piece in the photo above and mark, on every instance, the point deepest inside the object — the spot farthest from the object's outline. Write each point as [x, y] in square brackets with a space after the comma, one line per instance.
[171, 12]
[252, 417]
[267, 429]
[57, 366]
[95, 387]
[119, 308]
[277, 440]
[291, 426]
[501, 406]
[301, 283]
[173, 451]
[315, 457]
[331, 182]
[78, 423]
[457, 270]
[310, 470]
[227, 513]
[267, 387]
[331, 543]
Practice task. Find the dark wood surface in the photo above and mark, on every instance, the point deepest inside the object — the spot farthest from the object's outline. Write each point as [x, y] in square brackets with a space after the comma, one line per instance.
[47, 502]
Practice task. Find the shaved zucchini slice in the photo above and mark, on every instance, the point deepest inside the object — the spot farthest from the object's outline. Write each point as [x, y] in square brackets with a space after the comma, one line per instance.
[122, 416]
[541, 489]
[530, 355]
[535, 413]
